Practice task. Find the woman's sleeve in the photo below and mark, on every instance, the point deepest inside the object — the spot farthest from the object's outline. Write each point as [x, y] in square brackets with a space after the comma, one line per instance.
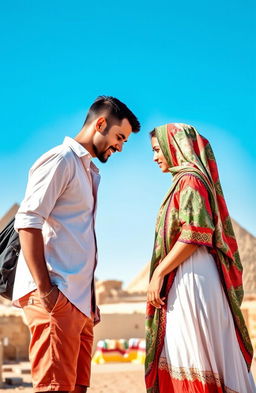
[195, 214]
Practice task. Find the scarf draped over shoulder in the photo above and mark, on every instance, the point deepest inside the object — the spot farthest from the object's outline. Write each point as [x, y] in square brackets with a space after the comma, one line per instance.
[193, 211]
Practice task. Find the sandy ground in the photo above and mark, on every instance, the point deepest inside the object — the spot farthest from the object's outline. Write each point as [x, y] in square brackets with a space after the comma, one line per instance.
[106, 378]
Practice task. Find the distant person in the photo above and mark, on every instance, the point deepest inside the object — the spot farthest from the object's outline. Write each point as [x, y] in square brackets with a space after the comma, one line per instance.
[54, 281]
[196, 338]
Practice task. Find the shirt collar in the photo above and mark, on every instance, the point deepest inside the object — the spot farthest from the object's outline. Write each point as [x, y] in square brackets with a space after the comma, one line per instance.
[80, 151]
[76, 147]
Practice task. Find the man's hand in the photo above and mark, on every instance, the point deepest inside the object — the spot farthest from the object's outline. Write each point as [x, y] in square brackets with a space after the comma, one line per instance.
[32, 246]
[154, 288]
[49, 299]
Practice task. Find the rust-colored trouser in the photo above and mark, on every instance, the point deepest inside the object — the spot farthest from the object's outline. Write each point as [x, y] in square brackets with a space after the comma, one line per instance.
[61, 344]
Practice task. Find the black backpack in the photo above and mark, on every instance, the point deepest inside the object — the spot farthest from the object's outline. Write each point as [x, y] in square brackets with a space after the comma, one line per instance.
[9, 252]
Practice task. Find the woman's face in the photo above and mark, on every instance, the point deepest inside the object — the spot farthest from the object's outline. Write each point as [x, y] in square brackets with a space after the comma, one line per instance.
[158, 155]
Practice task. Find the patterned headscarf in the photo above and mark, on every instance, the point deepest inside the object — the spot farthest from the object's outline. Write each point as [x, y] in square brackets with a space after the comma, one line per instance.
[189, 153]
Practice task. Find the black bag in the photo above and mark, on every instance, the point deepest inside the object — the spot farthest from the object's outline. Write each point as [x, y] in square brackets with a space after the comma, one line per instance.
[9, 252]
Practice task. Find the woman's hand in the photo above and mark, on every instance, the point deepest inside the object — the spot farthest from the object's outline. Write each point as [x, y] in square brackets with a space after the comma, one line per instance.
[178, 254]
[154, 288]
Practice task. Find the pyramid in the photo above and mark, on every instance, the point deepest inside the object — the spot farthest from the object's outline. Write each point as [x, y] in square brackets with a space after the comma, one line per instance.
[8, 216]
[247, 249]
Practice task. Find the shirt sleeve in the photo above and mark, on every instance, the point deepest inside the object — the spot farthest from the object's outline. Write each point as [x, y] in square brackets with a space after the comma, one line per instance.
[48, 179]
[195, 214]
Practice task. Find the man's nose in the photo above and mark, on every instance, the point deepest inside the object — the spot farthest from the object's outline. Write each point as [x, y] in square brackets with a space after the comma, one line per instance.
[119, 147]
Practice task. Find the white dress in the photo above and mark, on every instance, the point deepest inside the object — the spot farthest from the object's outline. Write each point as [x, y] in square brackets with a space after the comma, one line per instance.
[200, 343]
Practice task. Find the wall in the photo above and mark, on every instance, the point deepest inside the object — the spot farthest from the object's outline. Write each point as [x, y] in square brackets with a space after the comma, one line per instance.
[14, 335]
[119, 326]
[113, 325]
[249, 313]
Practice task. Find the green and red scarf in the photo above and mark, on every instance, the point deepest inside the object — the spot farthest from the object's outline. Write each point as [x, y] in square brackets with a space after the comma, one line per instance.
[193, 211]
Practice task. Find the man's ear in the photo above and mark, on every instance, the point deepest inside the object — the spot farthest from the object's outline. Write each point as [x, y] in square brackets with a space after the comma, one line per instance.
[101, 124]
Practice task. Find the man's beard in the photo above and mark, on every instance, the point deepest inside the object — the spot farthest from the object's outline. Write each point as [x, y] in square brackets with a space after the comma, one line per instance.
[100, 155]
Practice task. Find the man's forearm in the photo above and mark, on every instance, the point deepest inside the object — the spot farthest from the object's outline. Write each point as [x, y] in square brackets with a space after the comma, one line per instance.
[32, 246]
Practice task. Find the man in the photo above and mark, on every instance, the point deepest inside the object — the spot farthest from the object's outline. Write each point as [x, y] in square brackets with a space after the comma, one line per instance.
[54, 282]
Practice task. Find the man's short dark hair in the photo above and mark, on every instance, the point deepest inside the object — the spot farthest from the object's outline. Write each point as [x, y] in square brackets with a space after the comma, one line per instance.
[113, 109]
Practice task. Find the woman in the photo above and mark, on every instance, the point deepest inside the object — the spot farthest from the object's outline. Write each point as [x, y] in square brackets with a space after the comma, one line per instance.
[197, 340]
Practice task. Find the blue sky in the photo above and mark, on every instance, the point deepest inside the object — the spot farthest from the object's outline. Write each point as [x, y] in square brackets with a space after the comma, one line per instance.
[168, 61]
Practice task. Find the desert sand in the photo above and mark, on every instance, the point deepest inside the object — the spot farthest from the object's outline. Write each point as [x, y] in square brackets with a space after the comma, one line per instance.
[106, 378]
[112, 377]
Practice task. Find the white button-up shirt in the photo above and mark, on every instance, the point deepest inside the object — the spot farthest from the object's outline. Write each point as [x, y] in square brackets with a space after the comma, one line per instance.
[61, 200]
